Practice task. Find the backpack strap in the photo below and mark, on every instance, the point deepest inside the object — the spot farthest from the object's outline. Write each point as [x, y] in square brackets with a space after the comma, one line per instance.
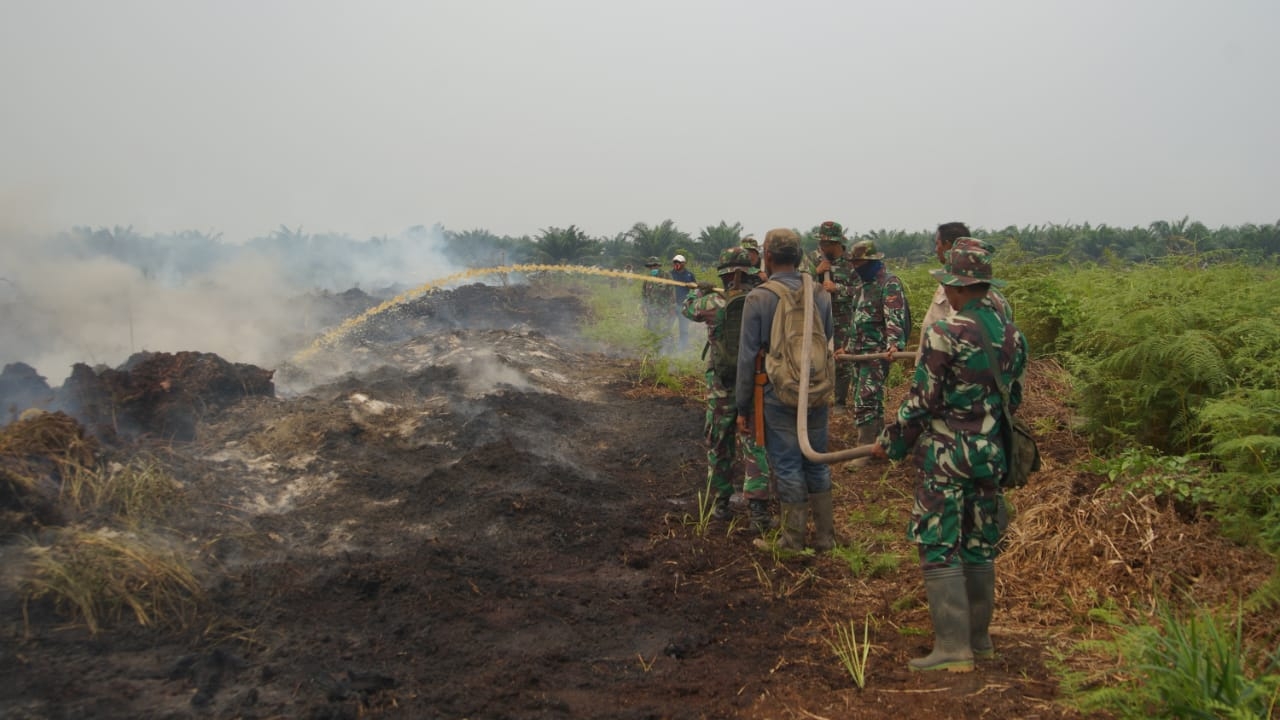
[993, 366]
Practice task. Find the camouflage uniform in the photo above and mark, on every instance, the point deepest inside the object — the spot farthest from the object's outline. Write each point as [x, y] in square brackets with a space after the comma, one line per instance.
[951, 416]
[722, 413]
[879, 323]
[656, 298]
[842, 300]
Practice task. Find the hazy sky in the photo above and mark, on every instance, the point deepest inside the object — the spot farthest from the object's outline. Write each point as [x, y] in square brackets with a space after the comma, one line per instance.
[368, 117]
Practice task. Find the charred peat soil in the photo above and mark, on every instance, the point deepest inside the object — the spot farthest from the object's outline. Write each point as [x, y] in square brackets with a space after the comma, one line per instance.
[482, 517]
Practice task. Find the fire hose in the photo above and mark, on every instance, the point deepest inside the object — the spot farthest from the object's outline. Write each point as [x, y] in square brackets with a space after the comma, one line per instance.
[802, 409]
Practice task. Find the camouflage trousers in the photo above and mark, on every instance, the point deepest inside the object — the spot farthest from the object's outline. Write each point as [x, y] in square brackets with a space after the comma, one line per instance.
[726, 446]
[955, 521]
[868, 399]
[845, 371]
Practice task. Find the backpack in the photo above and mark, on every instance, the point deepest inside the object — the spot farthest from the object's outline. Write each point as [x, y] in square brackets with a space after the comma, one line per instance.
[725, 338]
[787, 336]
[1021, 454]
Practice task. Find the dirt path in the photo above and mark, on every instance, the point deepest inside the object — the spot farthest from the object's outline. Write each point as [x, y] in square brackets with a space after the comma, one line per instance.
[486, 524]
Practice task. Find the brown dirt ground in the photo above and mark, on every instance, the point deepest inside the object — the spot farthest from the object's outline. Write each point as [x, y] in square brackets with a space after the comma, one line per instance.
[482, 521]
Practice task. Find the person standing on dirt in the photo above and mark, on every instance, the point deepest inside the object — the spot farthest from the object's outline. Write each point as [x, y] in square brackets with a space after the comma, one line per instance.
[834, 270]
[952, 417]
[880, 325]
[800, 481]
[656, 299]
[709, 306]
[682, 273]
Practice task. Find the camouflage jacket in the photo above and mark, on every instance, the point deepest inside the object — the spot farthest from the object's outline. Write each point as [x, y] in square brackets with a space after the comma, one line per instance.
[706, 308]
[952, 412]
[657, 296]
[847, 284]
[939, 309]
[880, 315]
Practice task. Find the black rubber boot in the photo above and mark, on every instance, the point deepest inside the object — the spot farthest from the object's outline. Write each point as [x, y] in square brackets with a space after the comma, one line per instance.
[721, 510]
[824, 531]
[949, 609]
[980, 586]
[762, 521]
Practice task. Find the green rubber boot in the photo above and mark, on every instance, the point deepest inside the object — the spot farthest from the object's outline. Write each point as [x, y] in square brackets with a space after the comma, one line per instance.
[980, 586]
[949, 609]
[867, 434]
[824, 530]
[795, 518]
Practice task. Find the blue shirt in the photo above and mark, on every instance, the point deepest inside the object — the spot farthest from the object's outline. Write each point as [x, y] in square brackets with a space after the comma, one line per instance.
[685, 275]
[757, 324]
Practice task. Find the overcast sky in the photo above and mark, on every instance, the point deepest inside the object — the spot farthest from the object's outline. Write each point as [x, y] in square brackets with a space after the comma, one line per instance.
[369, 117]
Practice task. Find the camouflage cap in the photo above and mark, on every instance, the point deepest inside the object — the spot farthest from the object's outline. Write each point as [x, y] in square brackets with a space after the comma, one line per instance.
[734, 259]
[968, 242]
[749, 243]
[653, 262]
[831, 231]
[864, 250]
[782, 239]
[969, 263]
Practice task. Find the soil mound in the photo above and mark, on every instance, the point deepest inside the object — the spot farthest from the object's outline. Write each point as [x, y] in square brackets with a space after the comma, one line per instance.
[159, 394]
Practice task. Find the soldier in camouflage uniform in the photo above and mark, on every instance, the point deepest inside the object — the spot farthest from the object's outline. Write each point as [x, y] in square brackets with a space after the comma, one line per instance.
[880, 325]
[947, 236]
[833, 268]
[952, 417]
[707, 306]
[752, 246]
[656, 298]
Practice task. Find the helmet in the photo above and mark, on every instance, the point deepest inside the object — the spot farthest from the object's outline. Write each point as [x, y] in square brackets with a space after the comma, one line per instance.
[734, 259]
[864, 250]
[652, 262]
[749, 243]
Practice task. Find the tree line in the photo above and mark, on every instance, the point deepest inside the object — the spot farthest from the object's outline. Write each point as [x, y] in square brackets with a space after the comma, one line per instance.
[327, 259]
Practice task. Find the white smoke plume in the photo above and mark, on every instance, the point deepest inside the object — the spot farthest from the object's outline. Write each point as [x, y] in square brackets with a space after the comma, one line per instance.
[99, 296]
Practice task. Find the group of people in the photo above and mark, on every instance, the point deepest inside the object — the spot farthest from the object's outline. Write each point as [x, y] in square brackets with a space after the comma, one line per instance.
[663, 302]
[951, 419]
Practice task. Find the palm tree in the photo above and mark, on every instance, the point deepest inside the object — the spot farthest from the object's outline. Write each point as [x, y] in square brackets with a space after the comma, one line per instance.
[659, 241]
[713, 239]
[568, 246]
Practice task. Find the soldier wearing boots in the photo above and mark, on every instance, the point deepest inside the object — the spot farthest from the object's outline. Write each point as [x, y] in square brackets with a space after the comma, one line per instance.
[707, 306]
[952, 417]
[801, 482]
[880, 325]
[834, 269]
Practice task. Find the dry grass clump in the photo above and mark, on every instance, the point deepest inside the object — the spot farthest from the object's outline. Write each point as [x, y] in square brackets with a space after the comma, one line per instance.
[98, 577]
[132, 493]
[43, 445]
[1076, 545]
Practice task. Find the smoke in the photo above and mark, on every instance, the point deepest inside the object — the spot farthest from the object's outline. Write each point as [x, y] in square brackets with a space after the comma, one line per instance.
[98, 296]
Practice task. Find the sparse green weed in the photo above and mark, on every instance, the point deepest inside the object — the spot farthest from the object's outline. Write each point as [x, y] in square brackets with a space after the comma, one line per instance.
[853, 653]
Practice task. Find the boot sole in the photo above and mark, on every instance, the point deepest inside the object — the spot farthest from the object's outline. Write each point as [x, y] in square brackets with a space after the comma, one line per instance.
[955, 667]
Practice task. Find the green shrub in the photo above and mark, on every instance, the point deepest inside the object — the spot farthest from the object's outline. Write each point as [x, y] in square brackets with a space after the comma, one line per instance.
[1196, 667]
